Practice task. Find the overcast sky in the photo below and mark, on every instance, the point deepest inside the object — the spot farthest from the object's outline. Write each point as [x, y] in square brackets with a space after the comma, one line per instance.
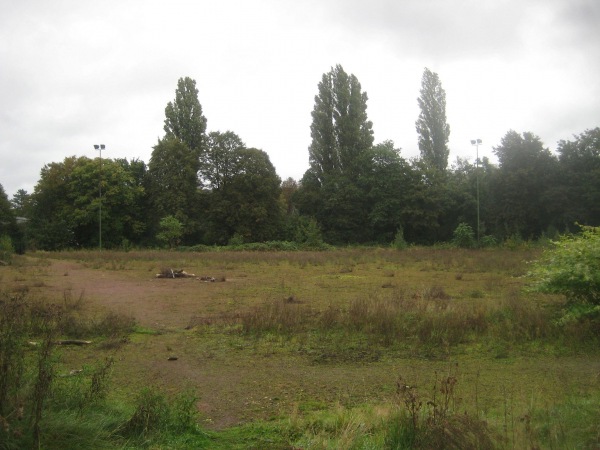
[74, 73]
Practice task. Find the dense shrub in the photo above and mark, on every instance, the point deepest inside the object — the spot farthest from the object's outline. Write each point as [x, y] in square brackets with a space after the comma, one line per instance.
[6, 248]
[464, 236]
[572, 268]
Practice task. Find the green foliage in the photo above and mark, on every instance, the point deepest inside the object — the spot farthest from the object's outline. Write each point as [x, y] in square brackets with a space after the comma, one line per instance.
[399, 242]
[218, 163]
[431, 125]
[246, 201]
[155, 414]
[173, 179]
[6, 248]
[311, 235]
[488, 241]
[236, 240]
[21, 203]
[580, 178]
[66, 203]
[170, 231]
[464, 236]
[572, 268]
[8, 224]
[184, 120]
[386, 183]
[526, 194]
[342, 137]
[340, 129]
[151, 414]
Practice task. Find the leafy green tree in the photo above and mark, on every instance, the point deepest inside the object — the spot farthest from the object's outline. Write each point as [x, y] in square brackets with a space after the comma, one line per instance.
[7, 217]
[219, 161]
[428, 205]
[310, 235]
[289, 187]
[432, 128]
[464, 236]
[525, 188]
[52, 226]
[66, 204]
[247, 201]
[140, 214]
[20, 203]
[344, 214]
[579, 168]
[173, 177]
[340, 129]
[183, 116]
[572, 268]
[6, 249]
[120, 198]
[176, 161]
[386, 183]
[399, 243]
[342, 137]
[9, 231]
[170, 231]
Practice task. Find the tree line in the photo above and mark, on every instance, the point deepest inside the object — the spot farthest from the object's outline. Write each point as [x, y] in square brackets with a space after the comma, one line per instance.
[209, 188]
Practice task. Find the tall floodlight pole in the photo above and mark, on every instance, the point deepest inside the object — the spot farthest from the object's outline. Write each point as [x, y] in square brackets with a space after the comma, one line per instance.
[100, 147]
[476, 143]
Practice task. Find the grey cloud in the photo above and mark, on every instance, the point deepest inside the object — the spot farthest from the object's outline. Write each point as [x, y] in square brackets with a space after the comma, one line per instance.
[432, 29]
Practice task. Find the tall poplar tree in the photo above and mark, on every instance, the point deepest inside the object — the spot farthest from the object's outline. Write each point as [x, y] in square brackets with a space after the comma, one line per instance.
[342, 137]
[431, 125]
[175, 162]
[340, 130]
[183, 116]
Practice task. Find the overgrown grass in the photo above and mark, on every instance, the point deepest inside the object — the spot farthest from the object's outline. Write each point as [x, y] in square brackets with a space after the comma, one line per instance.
[426, 322]
[335, 327]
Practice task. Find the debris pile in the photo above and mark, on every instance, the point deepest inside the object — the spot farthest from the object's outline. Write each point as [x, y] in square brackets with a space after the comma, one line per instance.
[174, 273]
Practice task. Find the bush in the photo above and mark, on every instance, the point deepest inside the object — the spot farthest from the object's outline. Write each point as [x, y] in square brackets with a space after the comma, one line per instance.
[488, 241]
[464, 236]
[572, 268]
[154, 414]
[171, 230]
[399, 242]
[6, 248]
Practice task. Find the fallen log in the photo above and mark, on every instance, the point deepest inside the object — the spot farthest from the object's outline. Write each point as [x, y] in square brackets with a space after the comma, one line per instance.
[62, 342]
[173, 273]
[73, 342]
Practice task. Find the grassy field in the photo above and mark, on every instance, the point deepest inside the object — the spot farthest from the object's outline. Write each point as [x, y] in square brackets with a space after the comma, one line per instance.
[350, 348]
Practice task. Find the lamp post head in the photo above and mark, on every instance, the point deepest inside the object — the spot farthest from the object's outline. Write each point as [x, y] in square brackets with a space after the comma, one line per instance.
[476, 141]
[99, 147]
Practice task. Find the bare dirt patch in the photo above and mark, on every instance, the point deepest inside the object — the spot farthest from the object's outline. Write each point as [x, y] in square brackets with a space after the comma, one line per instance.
[153, 302]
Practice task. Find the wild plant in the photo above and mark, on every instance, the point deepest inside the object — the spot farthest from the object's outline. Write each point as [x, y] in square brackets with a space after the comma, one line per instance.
[154, 413]
[434, 421]
[23, 392]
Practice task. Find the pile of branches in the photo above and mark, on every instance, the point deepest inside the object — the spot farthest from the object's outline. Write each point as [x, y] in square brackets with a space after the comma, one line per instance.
[174, 273]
